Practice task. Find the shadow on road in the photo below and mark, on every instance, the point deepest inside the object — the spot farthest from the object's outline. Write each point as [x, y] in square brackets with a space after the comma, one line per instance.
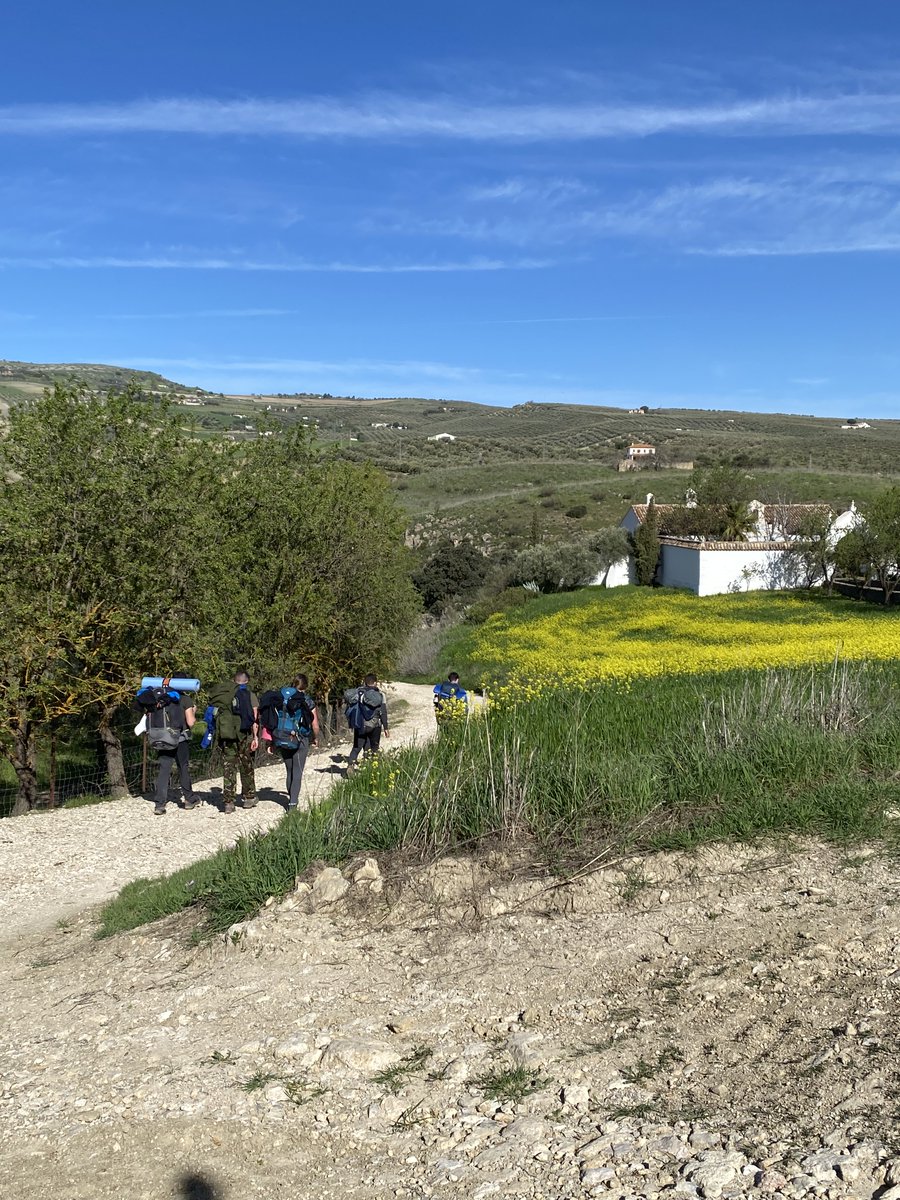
[198, 1187]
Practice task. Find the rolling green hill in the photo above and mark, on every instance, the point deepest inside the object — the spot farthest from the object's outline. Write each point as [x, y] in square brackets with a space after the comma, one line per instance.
[510, 471]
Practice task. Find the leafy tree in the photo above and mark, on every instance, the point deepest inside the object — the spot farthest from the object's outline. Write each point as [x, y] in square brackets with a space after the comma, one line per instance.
[853, 557]
[610, 544]
[720, 486]
[647, 548]
[809, 560]
[555, 568]
[104, 573]
[319, 573]
[452, 572]
[882, 522]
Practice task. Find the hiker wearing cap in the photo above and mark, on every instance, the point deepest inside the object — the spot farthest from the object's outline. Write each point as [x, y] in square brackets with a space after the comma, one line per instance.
[366, 711]
[450, 698]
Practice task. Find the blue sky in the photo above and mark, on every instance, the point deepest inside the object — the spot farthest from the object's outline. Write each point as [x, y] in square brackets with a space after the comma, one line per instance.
[690, 203]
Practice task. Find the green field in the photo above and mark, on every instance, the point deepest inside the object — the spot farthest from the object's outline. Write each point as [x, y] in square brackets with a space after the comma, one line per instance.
[512, 471]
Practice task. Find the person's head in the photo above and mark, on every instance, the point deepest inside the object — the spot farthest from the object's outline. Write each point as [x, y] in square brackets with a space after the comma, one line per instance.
[301, 683]
[241, 678]
[453, 677]
[370, 680]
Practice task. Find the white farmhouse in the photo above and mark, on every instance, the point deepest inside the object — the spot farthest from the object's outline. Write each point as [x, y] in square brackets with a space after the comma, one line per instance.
[442, 437]
[707, 568]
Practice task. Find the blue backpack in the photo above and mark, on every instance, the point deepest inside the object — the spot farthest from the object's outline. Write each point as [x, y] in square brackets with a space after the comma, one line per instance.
[293, 719]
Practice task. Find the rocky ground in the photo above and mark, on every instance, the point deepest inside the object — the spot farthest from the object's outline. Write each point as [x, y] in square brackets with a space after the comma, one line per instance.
[704, 1025]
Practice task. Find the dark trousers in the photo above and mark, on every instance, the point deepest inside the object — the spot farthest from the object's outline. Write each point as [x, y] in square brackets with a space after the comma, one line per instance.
[237, 755]
[365, 743]
[179, 755]
[294, 762]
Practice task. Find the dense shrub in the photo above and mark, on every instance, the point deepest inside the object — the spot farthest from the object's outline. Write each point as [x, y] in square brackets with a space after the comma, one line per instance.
[556, 567]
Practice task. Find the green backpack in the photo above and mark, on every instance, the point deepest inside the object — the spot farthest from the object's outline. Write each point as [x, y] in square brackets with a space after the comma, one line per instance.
[223, 698]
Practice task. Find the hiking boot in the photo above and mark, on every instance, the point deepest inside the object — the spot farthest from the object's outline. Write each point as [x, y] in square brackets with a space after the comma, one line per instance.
[159, 810]
[249, 803]
[190, 802]
[229, 807]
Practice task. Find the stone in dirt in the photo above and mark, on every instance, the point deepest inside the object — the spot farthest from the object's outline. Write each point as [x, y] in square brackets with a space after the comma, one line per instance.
[329, 886]
[367, 872]
[359, 1055]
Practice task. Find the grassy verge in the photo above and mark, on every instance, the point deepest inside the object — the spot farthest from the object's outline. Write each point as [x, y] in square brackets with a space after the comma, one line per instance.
[579, 773]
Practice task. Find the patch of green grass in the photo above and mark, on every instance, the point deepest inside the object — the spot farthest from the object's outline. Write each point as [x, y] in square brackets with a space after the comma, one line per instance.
[569, 772]
[395, 1077]
[647, 1109]
[511, 1085]
[86, 800]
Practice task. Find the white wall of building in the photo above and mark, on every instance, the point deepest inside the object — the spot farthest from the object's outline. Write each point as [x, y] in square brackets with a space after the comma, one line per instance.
[740, 571]
[679, 567]
[619, 575]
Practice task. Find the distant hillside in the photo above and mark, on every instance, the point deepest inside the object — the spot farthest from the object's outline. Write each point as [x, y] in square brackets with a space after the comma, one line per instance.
[19, 380]
[510, 472]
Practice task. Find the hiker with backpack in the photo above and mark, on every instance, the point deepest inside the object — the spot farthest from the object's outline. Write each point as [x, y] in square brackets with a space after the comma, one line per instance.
[366, 711]
[169, 716]
[236, 715]
[450, 698]
[289, 716]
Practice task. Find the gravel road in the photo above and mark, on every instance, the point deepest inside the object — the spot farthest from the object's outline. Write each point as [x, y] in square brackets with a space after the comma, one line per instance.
[52, 865]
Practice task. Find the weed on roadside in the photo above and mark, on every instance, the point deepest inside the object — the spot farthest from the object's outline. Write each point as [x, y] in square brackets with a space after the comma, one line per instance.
[299, 1090]
[645, 1069]
[634, 1110]
[512, 1085]
[409, 1118]
[635, 883]
[218, 1058]
[395, 1077]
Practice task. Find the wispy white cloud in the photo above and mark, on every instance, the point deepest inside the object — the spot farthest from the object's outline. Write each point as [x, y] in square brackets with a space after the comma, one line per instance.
[385, 116]
[549, 190]
[200, 263]
[352, 368]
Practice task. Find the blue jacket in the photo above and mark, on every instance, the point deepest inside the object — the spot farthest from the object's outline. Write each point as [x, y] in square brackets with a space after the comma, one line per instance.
[450, 691]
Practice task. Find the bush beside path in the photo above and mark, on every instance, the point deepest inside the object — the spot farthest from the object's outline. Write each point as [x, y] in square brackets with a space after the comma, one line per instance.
[52, 865]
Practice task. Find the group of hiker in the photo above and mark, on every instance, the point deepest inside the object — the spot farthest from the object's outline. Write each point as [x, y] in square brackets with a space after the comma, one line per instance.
[284, 719]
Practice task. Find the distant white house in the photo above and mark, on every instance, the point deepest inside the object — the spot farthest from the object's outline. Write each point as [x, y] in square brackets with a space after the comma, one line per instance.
[857, 425]
[641, 450]
[442, 437]
[708, 568]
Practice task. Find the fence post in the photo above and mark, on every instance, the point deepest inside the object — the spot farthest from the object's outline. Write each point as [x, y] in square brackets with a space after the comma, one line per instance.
[52, 796]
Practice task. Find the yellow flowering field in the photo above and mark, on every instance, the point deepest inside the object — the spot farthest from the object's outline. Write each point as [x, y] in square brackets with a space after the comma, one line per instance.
[627, 632]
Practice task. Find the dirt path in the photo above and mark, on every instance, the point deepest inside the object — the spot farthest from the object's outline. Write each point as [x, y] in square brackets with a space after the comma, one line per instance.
[695, 1027]
[52, 865]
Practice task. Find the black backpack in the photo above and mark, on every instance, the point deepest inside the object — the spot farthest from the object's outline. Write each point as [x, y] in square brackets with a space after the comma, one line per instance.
[362, 707]
[165, 716]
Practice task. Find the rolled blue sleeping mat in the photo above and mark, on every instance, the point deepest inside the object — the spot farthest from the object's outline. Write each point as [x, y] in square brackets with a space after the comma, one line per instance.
[178, 683]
